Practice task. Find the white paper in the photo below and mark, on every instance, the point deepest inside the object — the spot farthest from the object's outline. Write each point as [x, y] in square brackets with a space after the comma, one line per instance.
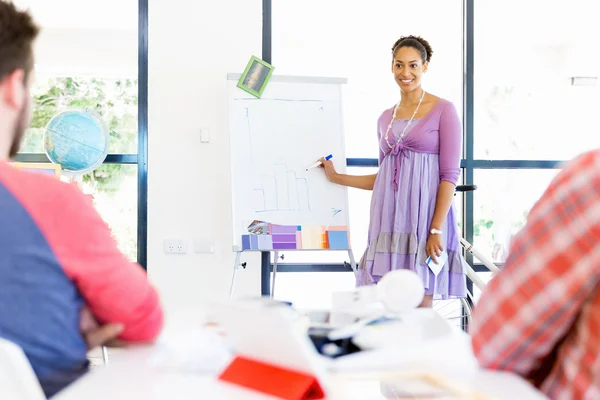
[441, 261]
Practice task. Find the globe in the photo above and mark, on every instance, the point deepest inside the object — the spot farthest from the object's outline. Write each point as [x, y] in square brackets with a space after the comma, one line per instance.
[77, 140]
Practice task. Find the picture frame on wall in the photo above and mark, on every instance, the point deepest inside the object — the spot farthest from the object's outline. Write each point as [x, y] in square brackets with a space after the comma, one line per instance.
[256, 76]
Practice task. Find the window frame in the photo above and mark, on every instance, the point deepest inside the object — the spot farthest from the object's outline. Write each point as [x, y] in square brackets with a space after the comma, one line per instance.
[141, 158]
[468, 163]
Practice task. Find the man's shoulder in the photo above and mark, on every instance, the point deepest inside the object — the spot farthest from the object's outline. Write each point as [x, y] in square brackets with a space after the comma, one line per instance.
[583, 169]
[589, 160]
[34, 189]
[577, 183]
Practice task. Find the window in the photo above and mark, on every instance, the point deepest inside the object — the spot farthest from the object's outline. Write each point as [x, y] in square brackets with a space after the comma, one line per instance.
[502, 201]
[536, 95]
[536, 90]
[114, 187]
[336, 45]
[90, 60]
[114, 99]
[354, 40]
[533, 96]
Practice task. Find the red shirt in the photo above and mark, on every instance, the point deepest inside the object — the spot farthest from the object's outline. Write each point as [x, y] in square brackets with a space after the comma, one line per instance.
[57, 255]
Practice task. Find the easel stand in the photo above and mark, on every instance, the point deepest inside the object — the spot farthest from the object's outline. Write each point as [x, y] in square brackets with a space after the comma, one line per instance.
[266, 268]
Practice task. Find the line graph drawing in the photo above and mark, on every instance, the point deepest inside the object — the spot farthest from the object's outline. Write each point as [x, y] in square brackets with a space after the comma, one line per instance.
[249, 130]
[282, 191]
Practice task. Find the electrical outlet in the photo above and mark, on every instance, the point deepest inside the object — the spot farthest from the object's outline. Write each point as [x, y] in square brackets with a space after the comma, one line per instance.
[175, 246]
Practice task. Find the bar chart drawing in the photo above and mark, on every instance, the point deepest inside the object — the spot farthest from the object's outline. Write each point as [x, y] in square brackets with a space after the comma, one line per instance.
[283, 191]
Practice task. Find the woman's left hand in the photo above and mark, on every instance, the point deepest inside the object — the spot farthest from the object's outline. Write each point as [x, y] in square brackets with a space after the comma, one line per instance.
[434, 247]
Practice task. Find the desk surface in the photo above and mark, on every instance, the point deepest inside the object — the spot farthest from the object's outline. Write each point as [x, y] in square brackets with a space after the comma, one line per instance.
[132, 373]
[129, 375]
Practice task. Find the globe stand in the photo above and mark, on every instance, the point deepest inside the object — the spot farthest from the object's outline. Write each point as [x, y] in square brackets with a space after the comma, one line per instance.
[76, 179]
[72, 178]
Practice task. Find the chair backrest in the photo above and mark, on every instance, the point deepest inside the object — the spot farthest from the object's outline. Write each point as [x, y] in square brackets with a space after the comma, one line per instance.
[17, 379]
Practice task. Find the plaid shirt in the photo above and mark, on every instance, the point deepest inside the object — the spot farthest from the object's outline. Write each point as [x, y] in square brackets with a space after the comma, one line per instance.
[540, 317]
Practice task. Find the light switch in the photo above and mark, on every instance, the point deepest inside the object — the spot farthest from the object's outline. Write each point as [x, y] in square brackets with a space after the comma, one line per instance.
[205, 135]
[204, 246]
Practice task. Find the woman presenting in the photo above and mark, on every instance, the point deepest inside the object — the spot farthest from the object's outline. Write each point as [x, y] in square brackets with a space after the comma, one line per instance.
[412, 214]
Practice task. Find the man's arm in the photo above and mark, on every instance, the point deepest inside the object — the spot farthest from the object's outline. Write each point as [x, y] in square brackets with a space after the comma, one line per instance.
[95, 334]
[115, 289]
[551, 271]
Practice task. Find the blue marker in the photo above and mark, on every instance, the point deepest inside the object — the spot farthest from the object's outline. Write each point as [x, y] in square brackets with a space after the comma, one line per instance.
[329, 157]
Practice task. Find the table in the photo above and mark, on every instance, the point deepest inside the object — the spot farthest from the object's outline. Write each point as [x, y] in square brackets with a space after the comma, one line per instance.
[133, 373]
[130, 375]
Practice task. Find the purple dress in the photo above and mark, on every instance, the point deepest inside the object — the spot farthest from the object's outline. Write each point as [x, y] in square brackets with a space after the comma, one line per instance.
[404, 199]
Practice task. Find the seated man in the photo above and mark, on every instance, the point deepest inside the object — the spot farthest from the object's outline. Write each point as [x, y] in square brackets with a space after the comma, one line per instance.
[540, 317]
[57, 257]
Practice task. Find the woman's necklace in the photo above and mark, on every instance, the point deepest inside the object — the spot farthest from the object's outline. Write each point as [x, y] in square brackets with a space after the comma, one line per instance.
[387, 133]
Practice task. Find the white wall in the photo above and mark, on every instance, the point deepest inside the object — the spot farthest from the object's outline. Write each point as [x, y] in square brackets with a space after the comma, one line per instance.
[192, 46]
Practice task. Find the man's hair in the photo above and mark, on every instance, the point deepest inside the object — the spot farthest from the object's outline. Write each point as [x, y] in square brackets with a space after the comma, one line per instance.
[17, 33]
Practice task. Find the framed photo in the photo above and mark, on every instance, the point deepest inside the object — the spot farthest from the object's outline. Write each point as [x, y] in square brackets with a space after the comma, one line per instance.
[256, 76]
[44, 168]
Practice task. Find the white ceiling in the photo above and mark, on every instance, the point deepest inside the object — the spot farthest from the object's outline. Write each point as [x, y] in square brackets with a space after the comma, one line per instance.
[83, 14]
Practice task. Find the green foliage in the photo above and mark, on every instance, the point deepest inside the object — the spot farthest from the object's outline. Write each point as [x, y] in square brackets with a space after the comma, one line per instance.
[115, 100]
[481, 224]
[113, 186]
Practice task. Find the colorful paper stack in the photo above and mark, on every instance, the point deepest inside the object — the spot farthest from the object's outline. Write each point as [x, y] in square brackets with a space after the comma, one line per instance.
[280, 237]
[299, 238]
[284, 237]
[313, 237]
[292, 237]
[338, 237]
